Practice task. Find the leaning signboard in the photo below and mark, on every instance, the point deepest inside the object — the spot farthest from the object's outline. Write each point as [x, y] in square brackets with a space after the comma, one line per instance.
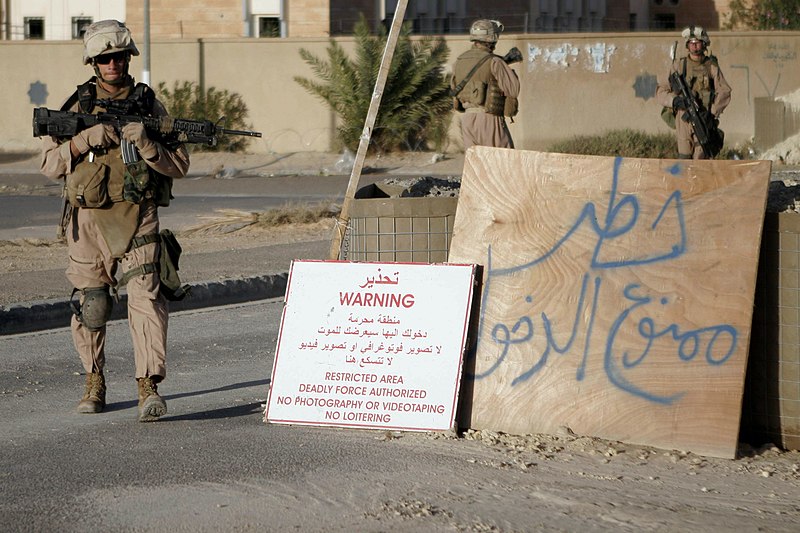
[371, 345]
[617, 294]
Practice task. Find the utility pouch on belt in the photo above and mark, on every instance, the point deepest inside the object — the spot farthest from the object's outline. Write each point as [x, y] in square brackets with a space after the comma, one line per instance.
[511, 107]
[167, 266]
[88, 185]
[668, 116]
[136, 182]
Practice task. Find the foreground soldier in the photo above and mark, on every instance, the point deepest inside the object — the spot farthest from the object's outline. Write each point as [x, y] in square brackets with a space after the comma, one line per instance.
[707, 84]
[112, 219]
[483, 85]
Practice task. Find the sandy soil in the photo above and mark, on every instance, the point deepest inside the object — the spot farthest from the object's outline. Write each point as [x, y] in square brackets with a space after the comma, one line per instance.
[33, 269]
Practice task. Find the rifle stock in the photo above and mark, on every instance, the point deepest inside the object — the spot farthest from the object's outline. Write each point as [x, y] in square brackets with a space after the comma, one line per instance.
[513, 56]
[705, 125]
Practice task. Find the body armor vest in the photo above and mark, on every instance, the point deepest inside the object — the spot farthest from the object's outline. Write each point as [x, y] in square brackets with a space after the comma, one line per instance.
[475, 90]
[158, 186]
[700, 78]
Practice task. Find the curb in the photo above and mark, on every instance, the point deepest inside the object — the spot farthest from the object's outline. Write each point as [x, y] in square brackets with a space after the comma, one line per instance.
[49, 314]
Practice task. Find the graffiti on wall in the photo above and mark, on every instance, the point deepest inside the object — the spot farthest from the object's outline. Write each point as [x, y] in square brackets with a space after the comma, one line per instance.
[594, 57]
[638, 313]
[644, 86]
[780, 53]
[37, 93]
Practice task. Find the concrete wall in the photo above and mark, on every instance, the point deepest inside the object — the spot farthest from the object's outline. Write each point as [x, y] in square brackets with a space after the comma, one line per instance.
[571, 84]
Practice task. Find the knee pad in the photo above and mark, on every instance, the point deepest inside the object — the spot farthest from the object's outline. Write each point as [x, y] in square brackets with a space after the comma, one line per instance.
[95, 310]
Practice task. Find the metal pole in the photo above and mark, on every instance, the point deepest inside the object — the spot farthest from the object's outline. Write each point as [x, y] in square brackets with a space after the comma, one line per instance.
[374, 105]
[146, 45]
[8, 20]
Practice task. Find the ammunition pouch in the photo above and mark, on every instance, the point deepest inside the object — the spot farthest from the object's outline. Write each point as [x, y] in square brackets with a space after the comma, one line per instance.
[495, 103]
[88, 185]
[136, 182]
[140, 183]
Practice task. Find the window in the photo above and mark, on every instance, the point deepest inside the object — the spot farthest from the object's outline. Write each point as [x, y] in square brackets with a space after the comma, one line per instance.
[34, 27]
[664, 21]
[79, 25]
[269, 27]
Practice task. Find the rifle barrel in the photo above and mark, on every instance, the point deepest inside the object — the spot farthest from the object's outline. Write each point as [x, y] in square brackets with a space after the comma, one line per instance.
[241, 132]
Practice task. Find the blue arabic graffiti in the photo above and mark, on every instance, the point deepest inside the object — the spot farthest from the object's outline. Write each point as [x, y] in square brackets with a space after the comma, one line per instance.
[717, 343]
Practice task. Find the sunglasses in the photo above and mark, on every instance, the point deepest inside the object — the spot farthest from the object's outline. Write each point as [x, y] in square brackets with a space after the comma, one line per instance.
[117, 57]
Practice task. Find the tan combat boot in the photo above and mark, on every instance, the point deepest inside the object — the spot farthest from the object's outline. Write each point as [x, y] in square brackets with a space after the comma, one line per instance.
[151, 405]
[94, 397]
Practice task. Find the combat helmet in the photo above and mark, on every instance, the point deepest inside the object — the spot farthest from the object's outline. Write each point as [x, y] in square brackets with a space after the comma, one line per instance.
[107, 37]
[485, 31]
[695, 33]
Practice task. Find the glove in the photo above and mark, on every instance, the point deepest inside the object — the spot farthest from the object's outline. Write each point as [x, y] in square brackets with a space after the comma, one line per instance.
[135, 133]
[679, 102]
[98, 136]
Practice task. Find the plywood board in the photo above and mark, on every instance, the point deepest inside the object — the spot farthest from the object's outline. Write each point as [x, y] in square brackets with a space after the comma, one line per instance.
[617, 294]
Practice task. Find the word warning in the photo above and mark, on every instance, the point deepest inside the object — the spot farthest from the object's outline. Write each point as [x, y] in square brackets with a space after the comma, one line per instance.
[371, 345]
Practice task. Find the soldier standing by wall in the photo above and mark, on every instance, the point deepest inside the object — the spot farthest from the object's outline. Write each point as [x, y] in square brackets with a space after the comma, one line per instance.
[112, 220]
[485, 89]
[707, 84]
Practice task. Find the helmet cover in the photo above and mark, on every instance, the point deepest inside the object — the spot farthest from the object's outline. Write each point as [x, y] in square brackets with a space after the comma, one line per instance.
[107, 37]
[695, 33]
[485, 31]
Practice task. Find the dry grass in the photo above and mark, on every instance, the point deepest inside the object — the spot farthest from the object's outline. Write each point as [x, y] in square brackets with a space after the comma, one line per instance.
[32, 243]
[231, 220]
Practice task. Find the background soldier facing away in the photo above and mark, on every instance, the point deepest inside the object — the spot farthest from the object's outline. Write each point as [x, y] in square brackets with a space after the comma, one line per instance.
[485, 89]
[707, 84]
[112, 217]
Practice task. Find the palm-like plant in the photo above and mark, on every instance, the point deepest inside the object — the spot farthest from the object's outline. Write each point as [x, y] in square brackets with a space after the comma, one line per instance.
[415, 108]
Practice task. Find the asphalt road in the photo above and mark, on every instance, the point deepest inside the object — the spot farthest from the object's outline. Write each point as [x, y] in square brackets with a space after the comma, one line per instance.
[211, 463]
[62, 471]
[37, 215]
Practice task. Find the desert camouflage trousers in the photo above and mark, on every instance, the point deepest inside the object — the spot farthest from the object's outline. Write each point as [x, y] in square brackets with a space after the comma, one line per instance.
[92, 265]
[479, 128]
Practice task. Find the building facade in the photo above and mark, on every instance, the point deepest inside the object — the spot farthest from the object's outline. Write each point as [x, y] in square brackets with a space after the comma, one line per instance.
[196, 19]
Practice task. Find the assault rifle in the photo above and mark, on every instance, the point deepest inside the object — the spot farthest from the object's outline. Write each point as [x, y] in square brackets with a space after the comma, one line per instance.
[705, 125]
[120, 112]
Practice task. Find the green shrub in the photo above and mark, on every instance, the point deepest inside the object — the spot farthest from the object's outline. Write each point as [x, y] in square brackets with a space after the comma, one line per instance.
[625, 143]
[630, 143]
[415, 109]
[186, 100]
[763, 15]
